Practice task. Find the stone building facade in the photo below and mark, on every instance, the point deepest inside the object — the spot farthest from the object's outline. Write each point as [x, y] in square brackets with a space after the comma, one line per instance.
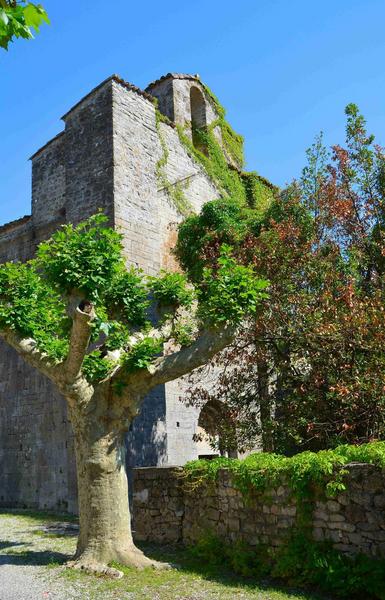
[107, 157]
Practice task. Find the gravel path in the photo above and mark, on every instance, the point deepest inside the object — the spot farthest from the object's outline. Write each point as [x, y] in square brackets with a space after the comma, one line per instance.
[34, 546]
[24, 549]
[22, 582]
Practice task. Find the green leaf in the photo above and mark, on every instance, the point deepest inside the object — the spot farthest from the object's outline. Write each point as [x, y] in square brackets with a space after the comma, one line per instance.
[4, 17]
[32, 16]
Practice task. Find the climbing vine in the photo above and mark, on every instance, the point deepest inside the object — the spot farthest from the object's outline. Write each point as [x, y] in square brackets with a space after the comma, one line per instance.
[219, 149]
[300, 560]
[232, 141]
[174, 190]
[222, 161]
[264, 471]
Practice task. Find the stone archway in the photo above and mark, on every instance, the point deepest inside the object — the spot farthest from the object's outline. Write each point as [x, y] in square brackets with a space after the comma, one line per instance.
[215, 423]
[198, 117]
[198, 108]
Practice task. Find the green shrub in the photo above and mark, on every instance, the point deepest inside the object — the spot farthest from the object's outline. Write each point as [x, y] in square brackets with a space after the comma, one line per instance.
[230, 291]
[264, 470]
[300, 562]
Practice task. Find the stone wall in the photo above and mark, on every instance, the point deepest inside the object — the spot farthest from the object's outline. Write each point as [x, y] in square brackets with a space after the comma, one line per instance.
[49, 182]
[163, 511]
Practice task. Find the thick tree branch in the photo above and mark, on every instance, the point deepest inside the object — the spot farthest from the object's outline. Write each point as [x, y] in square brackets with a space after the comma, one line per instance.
[80, 338]
[26, 347]
[173, 366]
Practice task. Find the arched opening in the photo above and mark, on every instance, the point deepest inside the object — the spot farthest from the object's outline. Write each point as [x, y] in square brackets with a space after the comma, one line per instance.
[198, 118]
[215, 427]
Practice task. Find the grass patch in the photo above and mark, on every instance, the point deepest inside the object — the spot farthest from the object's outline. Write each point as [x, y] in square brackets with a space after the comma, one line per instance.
[37, 516]
[189, 579]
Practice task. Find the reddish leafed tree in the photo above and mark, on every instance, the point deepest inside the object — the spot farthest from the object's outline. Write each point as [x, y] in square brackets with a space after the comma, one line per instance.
[308, 372]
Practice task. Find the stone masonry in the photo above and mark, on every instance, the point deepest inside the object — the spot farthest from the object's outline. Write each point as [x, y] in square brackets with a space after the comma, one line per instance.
[164, 511]
[105, 158]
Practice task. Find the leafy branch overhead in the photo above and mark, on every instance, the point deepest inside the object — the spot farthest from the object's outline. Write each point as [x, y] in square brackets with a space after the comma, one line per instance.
[82, 266]
[20, 20]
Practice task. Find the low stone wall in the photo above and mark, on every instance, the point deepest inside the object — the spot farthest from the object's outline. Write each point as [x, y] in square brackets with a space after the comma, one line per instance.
[165, 511]
[158, 504]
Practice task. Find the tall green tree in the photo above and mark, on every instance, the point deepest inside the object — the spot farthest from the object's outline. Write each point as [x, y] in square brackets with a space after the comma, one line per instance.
[308, 373]
[18, 19]
[80, 317]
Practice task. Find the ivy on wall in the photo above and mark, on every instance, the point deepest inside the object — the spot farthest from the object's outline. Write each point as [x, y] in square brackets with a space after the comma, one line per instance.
[265, 470]
[219, 150]
[232, 141]
[301, 560]
[174, 190]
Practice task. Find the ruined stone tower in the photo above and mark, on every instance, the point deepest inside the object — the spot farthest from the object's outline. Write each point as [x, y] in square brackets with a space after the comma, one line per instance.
[107, 157]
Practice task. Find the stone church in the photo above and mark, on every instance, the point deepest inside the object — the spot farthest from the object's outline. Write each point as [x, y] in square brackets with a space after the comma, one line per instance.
[107, 157]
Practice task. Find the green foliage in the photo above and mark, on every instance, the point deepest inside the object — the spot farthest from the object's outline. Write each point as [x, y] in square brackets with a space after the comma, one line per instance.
[232, 141]
[175, 191]
[31, 307]
[222, 221]
[85, 262]
[96, 367]
[183, 332]
[248, 188]
[259, 192]
[263, 470]
[118, 333]
[299, 562]
[213, 161]
[127, 296]
[18, 19]
[84, 257]
[171, 289]
[230, 292]
[142, 354]
[314, 175]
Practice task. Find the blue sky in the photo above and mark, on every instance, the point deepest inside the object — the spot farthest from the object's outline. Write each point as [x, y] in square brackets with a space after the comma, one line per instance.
[284, 70]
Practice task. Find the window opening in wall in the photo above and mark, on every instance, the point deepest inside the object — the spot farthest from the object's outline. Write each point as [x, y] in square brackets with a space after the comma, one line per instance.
[208, 456]
[198, 118]
[213, 423]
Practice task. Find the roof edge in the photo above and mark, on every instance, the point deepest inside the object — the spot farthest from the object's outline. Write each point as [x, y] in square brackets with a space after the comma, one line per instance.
[16, 223]
[117, 79]
[173, 76]
[57, 136]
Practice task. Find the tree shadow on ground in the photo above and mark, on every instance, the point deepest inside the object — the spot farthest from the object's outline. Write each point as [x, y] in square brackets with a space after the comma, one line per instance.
[40, 516]
[4, 544]
[32, 557]
[181, 560]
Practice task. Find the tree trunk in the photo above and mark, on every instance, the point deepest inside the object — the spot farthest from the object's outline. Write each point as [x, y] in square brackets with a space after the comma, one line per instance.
[265, 406]
[105, 529]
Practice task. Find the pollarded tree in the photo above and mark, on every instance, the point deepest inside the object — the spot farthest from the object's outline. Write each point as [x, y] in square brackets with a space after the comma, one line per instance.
[80, 317]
